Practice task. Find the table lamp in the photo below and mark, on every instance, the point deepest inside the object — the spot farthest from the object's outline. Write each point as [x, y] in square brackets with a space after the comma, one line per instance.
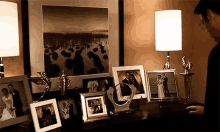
[9, 39]
[168, 32]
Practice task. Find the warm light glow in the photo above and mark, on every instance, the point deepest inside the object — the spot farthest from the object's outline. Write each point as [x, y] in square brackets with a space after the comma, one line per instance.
[168, 30]
[9, 39]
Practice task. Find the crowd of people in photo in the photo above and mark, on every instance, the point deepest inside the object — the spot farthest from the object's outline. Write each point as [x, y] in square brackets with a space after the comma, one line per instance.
[12, 103]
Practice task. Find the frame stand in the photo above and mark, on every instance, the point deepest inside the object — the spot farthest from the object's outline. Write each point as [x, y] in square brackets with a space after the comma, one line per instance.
[188, 82]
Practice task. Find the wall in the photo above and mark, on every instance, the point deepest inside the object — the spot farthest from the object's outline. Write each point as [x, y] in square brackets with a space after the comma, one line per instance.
[14, 66]
[139, 41]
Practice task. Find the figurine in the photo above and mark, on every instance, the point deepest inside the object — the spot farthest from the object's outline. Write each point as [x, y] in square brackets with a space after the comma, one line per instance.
[186, 65]
[63, 84]
[47, 81]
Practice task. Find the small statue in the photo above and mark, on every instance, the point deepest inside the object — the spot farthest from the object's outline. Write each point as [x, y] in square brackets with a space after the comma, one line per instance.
[187, 65]
[63, 84]
[47, 81]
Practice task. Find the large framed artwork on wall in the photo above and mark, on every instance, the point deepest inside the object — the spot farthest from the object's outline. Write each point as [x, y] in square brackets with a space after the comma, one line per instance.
[80, 37]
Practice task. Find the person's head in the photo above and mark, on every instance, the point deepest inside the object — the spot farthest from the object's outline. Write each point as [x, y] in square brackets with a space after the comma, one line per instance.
[97, 101]
[127, 74]
[11, 87]
[64, 104]
[5, 91]
[91, 104]
[159, 76]
[209, 12]
[163, 74]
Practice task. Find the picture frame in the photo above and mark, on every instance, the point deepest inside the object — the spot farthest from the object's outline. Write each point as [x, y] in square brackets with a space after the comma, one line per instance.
[45, 115]
[161, 85]
[94, 106]
[20, 110]
[136, 74]
[37, 45]
[97, 84]
[67, 108]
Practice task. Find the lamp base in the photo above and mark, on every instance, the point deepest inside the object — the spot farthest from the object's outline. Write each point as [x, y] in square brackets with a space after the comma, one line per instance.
[167, 64]
[1, 68]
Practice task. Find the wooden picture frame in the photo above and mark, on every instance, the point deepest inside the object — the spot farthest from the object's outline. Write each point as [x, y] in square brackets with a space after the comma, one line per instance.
[89, 115]
[163, 89]
[137, 73]
[22, 90]
[44, 122]
[36, 38]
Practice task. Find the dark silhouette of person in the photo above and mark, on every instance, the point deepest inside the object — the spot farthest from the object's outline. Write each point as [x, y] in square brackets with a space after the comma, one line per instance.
[70, 108]
[133, 81]
[98, 107]
[96, 60]
[78, 64]
[17, 100]
[165, 85]
[125, 90]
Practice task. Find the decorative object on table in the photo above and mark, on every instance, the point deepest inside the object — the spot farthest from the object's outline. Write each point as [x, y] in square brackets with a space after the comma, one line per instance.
[168, 32]
[15, 97]
[45, 115]
[161, 85]
[97, 84]
[45, 80]
[40, 51]
[121, 107]
[132, 75]
[9, 33]
[187, 65]
[67, 108]
[63, 84]
[94, 106]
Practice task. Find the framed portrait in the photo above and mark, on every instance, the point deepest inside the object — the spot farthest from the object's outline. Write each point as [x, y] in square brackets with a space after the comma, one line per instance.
[45, 115]
[15, 97]
[132, 75]
[94, 106]
[67, 108]
[77, 36]
[97, 84]
[161, 85]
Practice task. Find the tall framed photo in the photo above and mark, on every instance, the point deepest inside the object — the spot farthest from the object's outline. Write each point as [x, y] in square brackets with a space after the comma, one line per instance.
[132, 75]
[78, 36]
[45, 115]
[94, 106]
[15, 97]
[162, 85]
[100, 84]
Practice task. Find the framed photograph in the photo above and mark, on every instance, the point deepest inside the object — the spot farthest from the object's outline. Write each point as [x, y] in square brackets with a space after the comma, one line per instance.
[97, 84]
[67, 108]
[161, 85]
[15, 97]
[45, 115]
[78, 36]
[132, 75]
[94, 106]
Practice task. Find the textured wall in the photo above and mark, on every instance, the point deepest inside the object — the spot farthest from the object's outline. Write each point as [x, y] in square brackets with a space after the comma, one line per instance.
[139, 41]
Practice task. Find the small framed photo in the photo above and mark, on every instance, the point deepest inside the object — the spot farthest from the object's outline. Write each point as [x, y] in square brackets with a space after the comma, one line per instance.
[94, 106]
[161, 85]
[132, 75]
[45, 115]
[97, 84]
[15, 98]
[67, 108]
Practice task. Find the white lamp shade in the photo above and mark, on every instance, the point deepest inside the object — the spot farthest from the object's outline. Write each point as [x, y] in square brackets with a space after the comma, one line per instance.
[9, 39]
[168, 30]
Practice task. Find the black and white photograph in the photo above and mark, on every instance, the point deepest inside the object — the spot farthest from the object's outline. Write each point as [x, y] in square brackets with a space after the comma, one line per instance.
[15, 99]
[45, 115]
[133, 76]
[94, 106]
[97, 84]
[162, 84]
[67, 108]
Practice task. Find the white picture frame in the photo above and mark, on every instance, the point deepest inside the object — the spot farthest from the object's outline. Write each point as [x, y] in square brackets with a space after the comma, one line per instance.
[36, 38]
[36, 109]
[166, 93]
[119, 74]
[87, 98]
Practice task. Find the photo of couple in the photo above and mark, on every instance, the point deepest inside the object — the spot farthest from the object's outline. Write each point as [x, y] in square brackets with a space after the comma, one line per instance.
[11, 101]
[95, 108]
[162, 83]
